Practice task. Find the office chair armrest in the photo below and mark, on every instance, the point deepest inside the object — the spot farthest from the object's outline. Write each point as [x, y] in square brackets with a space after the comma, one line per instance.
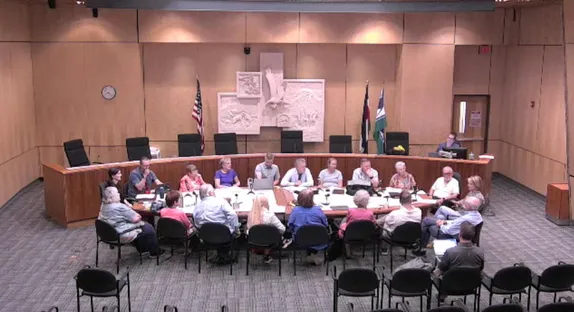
[404, 306]
[460, 304]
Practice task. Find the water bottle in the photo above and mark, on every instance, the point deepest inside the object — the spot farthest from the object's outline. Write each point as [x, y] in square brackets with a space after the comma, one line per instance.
[471, 156]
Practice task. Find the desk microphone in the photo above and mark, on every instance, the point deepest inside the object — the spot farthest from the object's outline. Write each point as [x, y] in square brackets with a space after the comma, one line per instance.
[250, 185]
[295, 147]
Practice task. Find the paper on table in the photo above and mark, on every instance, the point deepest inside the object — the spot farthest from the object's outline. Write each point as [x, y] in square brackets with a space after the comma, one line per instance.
[393, 190]
[145, 196]
[441, 245]
[426, 201]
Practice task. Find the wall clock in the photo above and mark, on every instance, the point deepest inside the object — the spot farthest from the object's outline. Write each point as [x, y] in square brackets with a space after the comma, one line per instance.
[109, 92]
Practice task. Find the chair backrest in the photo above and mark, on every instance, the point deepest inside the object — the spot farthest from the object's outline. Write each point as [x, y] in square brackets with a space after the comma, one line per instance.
[311, 235]
[558, 276]
[170, 228]
[102, 188]
[215, 233]
[168, 308]
[189, 144]
[292, 141]
[411, 280]
[512, 278]
[558, 307]
[53, 309]
[447, 309]
[393, 139]
[76, 154]
[112, 308]
[460, 280]
[340, 144]
[477, 230]
[358, 280]
[264, 235]
[96, 280]
[360, 231]
[138, 148]
[106, 232]
[408, 232]
[506, 307]
[458, 177]
[225, 143]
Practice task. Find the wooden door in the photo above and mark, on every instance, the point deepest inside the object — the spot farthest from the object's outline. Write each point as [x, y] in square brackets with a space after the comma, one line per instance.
[470, 122]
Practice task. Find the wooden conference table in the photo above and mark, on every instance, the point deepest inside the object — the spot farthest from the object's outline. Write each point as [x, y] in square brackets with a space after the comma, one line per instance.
[72, 195]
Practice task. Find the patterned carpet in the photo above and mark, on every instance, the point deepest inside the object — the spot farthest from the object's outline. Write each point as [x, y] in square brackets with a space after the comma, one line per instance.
[39, 259]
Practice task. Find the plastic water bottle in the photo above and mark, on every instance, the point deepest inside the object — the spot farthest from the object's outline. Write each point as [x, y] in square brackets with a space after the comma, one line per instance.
[471, 156]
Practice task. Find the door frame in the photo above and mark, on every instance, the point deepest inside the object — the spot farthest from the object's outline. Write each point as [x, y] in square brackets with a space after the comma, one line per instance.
[486, 124]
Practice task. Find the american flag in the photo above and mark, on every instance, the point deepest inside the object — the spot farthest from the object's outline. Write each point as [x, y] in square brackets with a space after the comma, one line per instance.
[198, 115]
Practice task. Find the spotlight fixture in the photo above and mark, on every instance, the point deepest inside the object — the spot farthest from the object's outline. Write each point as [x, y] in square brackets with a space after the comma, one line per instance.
[80, 2]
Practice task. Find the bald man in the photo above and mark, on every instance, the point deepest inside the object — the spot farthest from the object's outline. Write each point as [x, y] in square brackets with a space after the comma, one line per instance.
[442, 229]
[445, 187]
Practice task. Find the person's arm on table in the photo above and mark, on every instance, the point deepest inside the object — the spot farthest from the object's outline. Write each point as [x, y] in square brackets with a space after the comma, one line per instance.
[155, 179]
[236, 179]
[308, 177]
[217, 179]
[285, 181]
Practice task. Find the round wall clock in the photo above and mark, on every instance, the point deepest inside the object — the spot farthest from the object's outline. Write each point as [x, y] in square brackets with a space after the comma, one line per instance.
[108, 92]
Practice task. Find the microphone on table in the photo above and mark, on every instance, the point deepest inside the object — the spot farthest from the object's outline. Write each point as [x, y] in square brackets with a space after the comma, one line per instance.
[250, 185]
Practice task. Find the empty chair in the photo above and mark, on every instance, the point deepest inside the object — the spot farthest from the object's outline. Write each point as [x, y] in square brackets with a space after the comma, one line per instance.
[263, 236]
[356, 282]
[509, 281]
[340, 144]
[410, 283]
[360, 232]
[189, 144]
[292, 141]
[558, 307]
[225, 143]
[406, 235]
[105, 233]
[215, 236]
[172, 232]
[112, 308]
[460, 281]
[394, 139]
[505, 307]
[100, 283]
[76, 153]
[557, 278]
[138, 148]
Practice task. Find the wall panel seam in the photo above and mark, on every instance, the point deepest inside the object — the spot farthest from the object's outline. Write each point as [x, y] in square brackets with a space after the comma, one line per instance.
[532, 152]
[14, 157]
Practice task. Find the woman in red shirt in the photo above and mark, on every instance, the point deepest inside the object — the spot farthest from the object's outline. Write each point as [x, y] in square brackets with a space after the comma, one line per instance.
[191, 181]
[172, 201]
[361, 199]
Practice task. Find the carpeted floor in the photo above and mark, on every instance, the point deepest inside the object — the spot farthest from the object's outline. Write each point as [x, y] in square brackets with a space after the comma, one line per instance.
[39, 260]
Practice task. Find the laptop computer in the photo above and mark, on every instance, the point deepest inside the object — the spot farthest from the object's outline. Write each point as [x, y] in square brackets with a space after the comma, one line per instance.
[262, 184]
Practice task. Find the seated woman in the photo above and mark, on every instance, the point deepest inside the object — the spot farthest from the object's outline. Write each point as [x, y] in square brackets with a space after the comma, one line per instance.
[226, 177]
[172, 202]
[402, 179]
[474, 184]
[306, 213]
[191, 181]
[114, 178]
[260, 214]
[361, 199]
[331, 177]
[126, 221]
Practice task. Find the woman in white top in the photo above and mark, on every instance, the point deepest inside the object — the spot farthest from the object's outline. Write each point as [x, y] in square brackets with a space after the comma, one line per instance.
[331, 177]
[260, 214]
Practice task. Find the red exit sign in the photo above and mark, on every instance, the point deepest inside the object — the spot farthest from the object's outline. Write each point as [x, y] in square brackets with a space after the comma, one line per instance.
[484, 49]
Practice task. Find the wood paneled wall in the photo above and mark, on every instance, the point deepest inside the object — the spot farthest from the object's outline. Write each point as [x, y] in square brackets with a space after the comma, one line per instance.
[18, 153]
[569, 55]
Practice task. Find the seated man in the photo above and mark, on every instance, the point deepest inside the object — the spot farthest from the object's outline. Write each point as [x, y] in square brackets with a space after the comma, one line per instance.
[450, 142]
[141, 179]
[465, 254]
[300, 175]
[406, 213]
[442, 229]
[446, 187]
[212, 209]
[268, 170]
[366, 173]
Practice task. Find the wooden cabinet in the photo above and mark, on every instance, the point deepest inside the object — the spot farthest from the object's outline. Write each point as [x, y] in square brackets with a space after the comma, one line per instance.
[557, 204]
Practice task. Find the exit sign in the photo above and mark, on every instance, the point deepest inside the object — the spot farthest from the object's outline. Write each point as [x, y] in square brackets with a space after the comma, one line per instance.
[484, 49]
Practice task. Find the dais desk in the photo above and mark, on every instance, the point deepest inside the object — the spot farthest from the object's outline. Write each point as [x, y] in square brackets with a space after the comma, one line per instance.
[72, 195]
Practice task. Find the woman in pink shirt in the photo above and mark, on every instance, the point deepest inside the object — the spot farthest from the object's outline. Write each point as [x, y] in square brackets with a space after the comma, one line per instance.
[191, 181]
[361, 199]
[172, 201]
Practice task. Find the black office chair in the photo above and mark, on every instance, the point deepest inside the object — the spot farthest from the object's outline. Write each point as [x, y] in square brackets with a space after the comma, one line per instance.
[107, 234]
[460, 282]
[76, 153]
[225, 143]
[138, 148]
[557, 278]
[308, 236]
[394, 139]
[476, 237]
[409, 283]
[292, 141]
[362, 232]
[407, 236]
[189, 144]
[561, 306]
[458, 178]
[214, 236]
[102, 284]
[168, 308]
[509, 281]
[172, 232]
[263, 236]
[356, 282]
[341, 144]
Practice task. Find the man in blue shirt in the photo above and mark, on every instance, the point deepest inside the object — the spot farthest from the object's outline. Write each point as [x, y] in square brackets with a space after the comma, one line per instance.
[450, 142]
[443, 229]
[141, 179]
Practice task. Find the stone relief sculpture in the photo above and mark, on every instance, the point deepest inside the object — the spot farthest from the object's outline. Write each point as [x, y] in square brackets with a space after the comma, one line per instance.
[268, 100]
[248, 85]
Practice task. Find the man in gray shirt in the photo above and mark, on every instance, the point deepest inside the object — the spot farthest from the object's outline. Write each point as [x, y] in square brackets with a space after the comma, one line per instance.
[465, 254]
[141, 179]
[268, 170]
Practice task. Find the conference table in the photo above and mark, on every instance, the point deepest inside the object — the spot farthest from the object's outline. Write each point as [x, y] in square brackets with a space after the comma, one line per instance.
[72, 195]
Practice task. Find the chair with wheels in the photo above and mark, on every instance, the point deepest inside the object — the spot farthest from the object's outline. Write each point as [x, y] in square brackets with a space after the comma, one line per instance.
[263, 236]
[308, 236]
[172, 232]
[105, 233]
[100, 283]
[407, 236]
[356, 282]
[214, 236]
[509, 281]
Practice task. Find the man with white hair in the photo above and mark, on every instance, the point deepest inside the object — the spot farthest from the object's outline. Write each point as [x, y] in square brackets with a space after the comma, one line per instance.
[212, 209]
[445, 187]
[300, 175]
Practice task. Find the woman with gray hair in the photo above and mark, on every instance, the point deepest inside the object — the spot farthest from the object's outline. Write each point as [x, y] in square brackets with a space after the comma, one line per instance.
[299, 175]
[402, 179]
[361, 199]
[129, 223]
